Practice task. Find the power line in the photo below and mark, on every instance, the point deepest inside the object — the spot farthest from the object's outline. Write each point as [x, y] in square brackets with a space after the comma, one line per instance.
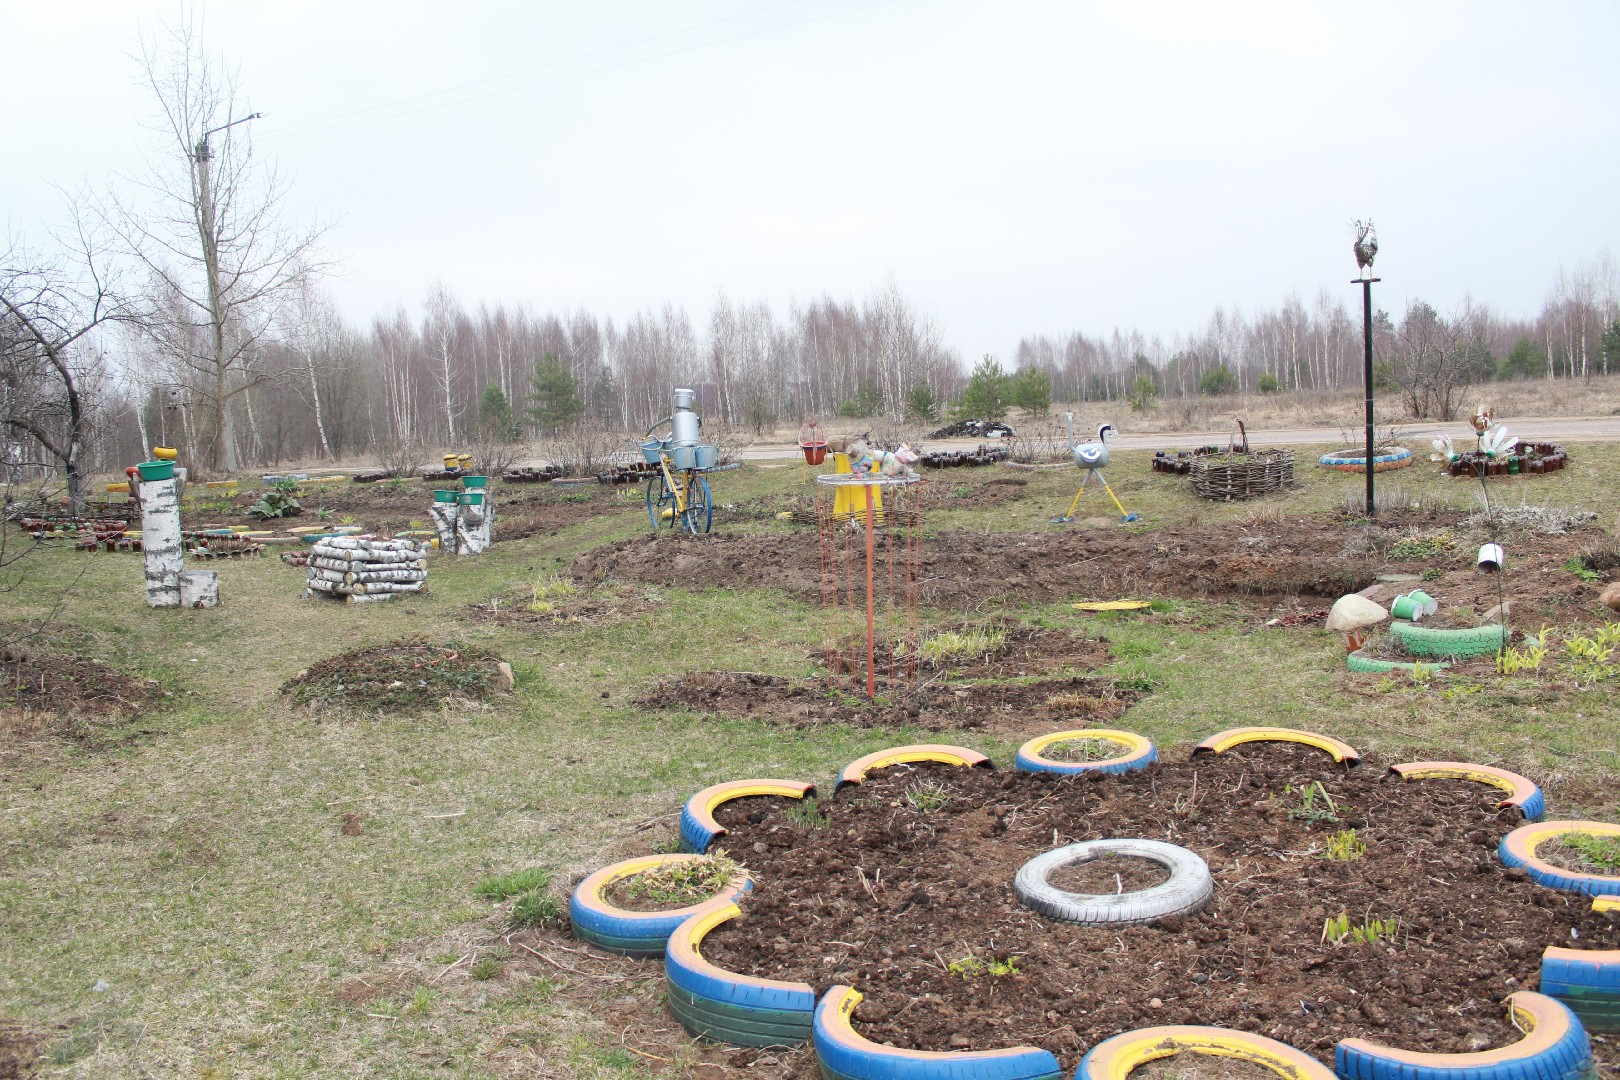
[312, 129]
[293, 129]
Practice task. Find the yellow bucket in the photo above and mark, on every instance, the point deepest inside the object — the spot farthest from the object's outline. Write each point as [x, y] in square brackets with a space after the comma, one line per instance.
[164, 453]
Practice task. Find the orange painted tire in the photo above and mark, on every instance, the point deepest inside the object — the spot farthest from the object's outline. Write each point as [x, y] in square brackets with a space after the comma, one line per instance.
[637, 933]
[698, 827]
[1116, 1058]
[1222, 741]
[845, 1054]
[856, 771]
[1555, 1047]
[1523, 795]
[724, 1005]
[1518, 848]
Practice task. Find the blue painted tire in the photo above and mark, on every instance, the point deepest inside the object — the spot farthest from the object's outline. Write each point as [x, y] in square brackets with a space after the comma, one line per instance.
[1139, 753]
[1586, 980]
[1518, 848]
[846, 1055]
[1399, 458]
[636, 933]
[727, 1007]
[1522, 793]
[698, 827]
[1555, 1048]
[1118, 1057]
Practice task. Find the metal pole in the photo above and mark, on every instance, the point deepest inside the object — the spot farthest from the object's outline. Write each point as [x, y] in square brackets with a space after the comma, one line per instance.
[871, 658]
[1367, 377]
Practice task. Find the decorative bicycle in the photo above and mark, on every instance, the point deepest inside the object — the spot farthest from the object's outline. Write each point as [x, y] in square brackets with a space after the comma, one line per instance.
[678, 494]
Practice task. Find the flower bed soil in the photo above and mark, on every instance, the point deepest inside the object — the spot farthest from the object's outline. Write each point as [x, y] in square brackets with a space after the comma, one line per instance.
[402, 675]
[1016, 707]
[1024, 650]
[885, 897]
[49, 700]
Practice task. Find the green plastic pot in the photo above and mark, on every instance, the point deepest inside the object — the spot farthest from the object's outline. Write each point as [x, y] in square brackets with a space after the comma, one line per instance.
[444, 496]
[470, 483]
[156, 470]
[471, 498]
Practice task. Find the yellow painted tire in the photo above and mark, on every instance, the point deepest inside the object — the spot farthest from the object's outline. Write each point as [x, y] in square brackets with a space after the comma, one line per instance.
[856, 771]
[698, 827]
[1523, 795]
[1115, 1058]
[1222, 741]
[844, 1054]
[1518, 848]
[1555, 1047]
[1139, 752]
[726, 1006]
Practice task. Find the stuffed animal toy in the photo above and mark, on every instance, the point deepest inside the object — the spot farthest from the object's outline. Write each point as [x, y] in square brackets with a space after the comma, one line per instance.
[865, 459]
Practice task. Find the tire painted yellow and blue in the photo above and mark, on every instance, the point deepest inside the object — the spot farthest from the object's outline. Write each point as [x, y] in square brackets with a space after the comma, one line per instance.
[1555, 1047]
[1523, 795]
[1115, 1058]
[1139, 753]
[698, 827]
[1449, 644]
[1518, 848]
[856, 770]
[1399, 457]
[1587, 980]
[1222, 741]
[727, 1007]
[845, 1055]
[637, 933]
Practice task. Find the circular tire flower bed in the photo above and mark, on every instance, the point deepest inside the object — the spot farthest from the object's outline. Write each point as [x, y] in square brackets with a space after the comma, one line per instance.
[1359, 916]
[1396, 457]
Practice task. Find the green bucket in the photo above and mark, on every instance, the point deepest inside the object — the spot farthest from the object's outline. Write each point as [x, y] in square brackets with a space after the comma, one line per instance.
[470, 483]
[472, 498]
[444, 496]
[156, 470]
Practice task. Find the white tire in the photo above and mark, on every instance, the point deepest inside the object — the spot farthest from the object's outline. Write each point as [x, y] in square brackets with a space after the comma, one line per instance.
[1186, 892]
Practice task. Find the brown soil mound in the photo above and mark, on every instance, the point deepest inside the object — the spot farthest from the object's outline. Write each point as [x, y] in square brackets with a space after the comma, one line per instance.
[585, 608]
[19, 1051]
[67, 696]
[1017, 707]
[886, 896]
[400, 676]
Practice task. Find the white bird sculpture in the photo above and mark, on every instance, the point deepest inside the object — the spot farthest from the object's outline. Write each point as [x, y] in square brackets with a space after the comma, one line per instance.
[1366, 246]
[1092, 457]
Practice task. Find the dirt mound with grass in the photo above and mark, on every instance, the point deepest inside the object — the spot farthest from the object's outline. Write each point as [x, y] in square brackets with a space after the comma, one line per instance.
[402, 676]
[904, 890]
[45, 694]
[1014, 707]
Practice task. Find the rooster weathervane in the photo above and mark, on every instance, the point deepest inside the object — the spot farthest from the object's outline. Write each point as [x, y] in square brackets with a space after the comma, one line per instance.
[1366, 246]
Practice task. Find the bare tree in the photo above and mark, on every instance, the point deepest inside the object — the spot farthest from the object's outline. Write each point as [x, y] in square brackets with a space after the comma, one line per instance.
[208, 225]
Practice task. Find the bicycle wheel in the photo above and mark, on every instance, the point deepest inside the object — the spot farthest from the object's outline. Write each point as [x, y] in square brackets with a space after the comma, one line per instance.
[660, 503]
[699, 513]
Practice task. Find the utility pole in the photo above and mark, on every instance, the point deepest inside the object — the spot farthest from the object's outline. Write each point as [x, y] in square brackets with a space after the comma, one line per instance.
[225, 453]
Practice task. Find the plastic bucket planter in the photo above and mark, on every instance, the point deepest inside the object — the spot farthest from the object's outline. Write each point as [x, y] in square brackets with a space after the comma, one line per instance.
[814, 452]
[156, 470]
[471, 498]
[1407, 607]
[444, 496]
[469, 483]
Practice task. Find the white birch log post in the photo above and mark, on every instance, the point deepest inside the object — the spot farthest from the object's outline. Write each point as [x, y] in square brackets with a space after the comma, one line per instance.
[444, 516]
[199, 589]
[473, 528]
[160, 541]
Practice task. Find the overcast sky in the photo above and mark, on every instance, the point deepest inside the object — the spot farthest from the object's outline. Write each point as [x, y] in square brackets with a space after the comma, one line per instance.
[1017, 166]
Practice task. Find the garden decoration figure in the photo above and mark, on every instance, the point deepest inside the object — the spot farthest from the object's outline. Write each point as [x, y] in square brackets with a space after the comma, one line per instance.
[678, 493]
[864, 459]
[1481, 420]
[1366, 246]
[1092, 457]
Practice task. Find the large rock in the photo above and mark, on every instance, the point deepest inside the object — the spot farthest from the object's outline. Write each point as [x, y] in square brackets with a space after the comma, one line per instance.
[1354, 612]
[1611, 596]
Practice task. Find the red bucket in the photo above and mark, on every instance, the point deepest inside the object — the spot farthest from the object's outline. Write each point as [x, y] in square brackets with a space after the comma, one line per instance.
[814, 452]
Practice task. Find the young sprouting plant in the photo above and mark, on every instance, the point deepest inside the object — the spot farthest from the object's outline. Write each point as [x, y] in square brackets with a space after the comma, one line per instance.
[1590, 657]
[1307, 810]
[675, 884]
[485, 967]
[537, 907]
[927, 795]
[807, 814]
[346, 519]
[1581, 570]
[971, 967]
[1345, 846]
[1515, 659]
[1081, 750]
[1338, 929]
[1601, 851]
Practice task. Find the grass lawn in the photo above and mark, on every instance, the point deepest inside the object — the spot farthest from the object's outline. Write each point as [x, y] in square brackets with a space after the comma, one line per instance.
[228, 885]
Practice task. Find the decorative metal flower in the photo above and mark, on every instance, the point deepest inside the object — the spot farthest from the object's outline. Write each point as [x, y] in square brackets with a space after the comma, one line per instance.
[1444, 451]
[1495, 442]
[1481, 419]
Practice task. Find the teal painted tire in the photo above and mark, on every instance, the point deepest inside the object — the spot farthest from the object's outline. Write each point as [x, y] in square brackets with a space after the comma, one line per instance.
[845, 1055]
[725, 1006]
[1356, 662]
[1451, 644]
[636, 933]
[1555, 1047]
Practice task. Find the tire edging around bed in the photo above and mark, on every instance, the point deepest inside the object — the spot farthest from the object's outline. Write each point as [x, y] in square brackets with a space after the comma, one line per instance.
[636, 933]
[845, 1054]
[1117, 1057]
[856, 771]
[1222, 741]
[1523, 793]
[1139, 752]
[1518, 849]
[726, 1006]
[1555, 1047]
[698, 827]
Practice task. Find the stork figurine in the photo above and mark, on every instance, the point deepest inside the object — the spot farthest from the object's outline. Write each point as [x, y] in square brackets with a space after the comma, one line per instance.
[1092, 457]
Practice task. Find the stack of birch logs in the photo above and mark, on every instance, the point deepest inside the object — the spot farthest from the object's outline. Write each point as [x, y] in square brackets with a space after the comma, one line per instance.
[361, 569]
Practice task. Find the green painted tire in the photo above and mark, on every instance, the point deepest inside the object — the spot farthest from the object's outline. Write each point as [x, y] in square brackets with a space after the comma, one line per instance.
[1452, 644]
[1356, 662]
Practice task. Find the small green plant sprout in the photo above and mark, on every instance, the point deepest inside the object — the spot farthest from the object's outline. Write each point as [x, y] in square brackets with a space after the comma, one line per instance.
[972, 967]
[1337, 930]
[324, 513]
[1423, 674]
[422, 1001]
[1082, 750]
[679, 884]
[1422, 546]
[927, 795]
[1602, 852]
[537, 907]
[1345, 846]
[574, 497]
[1433, 573]
[485, 967]
[967, 644]
[806, 813]
[502, 886]
[1590, 658]
[549, 588]
[1581, 570]
[1308, 809]
[1516, 660]
[346, 519]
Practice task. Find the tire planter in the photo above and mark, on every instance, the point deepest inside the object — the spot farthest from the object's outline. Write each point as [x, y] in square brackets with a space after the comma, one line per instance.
[1586, 980]
[636, 933]
[1356, 662]
[727, 1007]
[698, 827]
[1451, 644]
[1518, 848]
[1139, 753]
[1555, 1048]
[1399, 457]
[1222, 741]
[846, 1055]
[1114, 1059]
[1523, 795]
[1186, 892]
[856, 770]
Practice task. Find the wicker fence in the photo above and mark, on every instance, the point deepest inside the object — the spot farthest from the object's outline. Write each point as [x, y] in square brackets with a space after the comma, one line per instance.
[1242, 476]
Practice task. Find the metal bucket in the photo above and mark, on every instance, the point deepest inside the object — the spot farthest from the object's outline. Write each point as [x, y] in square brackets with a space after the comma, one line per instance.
[652, 450]
[1490, 557]
[684, 457]
[707, 456]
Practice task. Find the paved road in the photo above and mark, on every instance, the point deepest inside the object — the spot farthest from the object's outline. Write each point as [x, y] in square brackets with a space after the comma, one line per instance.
[1415, 436]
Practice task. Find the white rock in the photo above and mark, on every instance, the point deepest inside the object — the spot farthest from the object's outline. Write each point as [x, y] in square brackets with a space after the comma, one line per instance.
[1353, 612]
